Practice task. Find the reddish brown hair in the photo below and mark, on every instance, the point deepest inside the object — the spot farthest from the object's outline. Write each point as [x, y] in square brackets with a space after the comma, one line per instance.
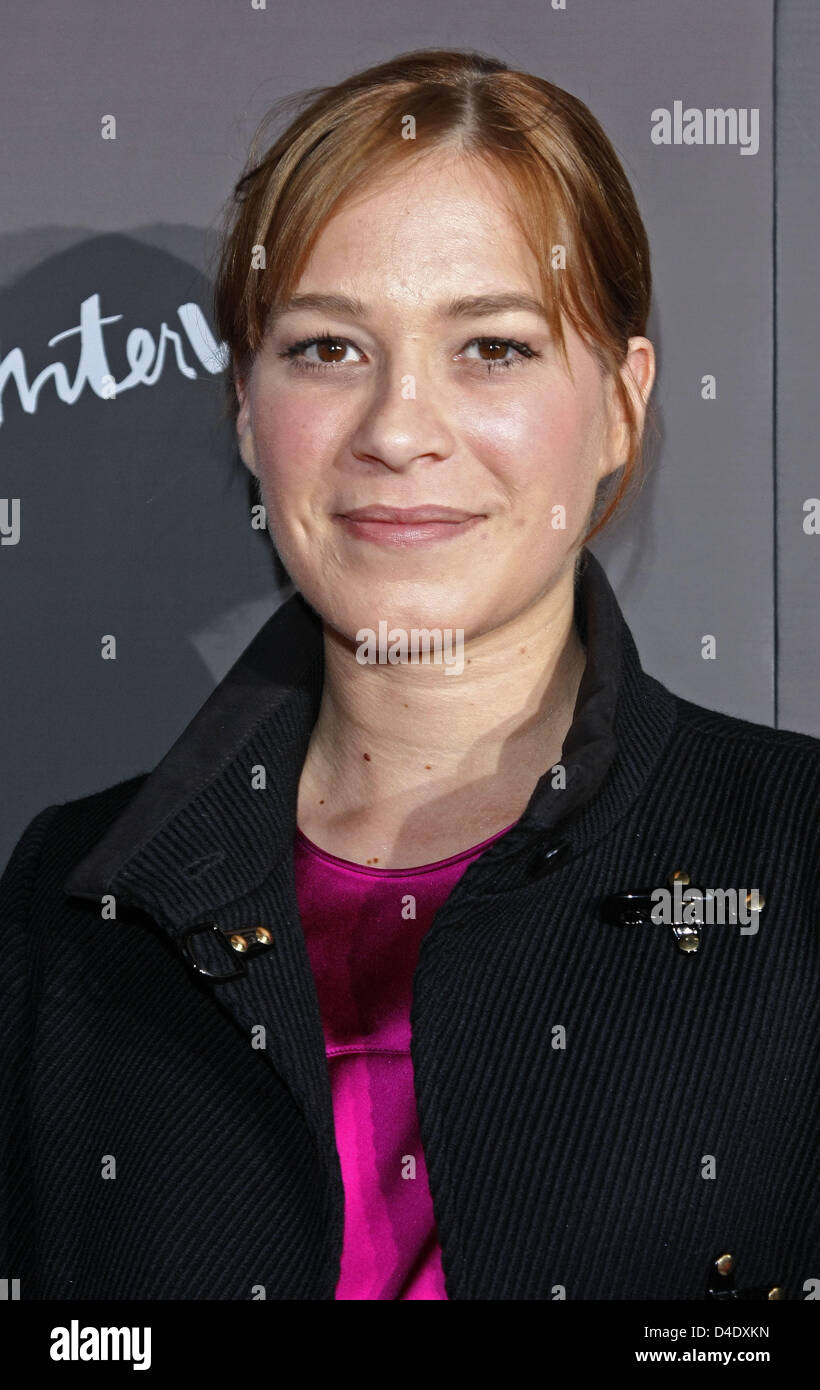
[567, 185]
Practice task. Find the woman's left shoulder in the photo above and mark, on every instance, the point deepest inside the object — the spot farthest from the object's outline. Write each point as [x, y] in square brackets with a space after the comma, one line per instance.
[711, 725]
[749, 762]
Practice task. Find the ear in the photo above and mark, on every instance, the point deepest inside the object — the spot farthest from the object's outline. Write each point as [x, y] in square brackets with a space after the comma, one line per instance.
[638, 374]
[244, 433]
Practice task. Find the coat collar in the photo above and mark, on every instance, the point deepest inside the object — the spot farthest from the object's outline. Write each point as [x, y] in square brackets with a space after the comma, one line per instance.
[202, 833]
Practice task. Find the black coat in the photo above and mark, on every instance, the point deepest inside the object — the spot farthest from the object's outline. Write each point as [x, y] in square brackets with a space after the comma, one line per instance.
[580, 1169]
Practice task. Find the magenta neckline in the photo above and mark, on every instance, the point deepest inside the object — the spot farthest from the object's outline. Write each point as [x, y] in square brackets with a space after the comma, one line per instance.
[369, 872]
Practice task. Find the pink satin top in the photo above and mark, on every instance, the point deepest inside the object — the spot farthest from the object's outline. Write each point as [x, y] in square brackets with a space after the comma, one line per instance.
[363, 928]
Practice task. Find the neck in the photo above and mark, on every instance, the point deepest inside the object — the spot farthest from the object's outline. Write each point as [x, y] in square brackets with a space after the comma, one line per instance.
[403, 757]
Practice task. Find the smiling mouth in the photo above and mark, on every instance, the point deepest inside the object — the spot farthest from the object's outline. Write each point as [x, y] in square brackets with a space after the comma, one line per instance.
[407, 526]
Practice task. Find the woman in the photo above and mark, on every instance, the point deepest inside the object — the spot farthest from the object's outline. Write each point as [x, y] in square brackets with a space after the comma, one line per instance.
[352, 997]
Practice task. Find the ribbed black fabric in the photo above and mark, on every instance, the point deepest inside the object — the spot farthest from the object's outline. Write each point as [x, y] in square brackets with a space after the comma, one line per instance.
[576, 1168]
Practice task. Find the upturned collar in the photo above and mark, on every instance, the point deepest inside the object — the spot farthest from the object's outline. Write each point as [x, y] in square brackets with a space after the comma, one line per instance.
[198, 834]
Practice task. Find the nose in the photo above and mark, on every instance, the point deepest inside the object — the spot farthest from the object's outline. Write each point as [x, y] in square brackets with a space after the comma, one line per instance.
[404, 420]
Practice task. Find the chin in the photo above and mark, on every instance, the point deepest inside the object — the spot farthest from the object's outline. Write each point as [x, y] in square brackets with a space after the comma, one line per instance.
[453, 631]
[407, 607]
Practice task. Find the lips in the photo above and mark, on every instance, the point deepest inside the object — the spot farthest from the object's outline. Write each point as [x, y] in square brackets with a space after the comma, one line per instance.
[407, 527]
[409, 516]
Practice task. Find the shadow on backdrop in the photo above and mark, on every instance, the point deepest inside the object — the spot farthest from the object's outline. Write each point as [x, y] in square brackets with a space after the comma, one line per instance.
[134, 522]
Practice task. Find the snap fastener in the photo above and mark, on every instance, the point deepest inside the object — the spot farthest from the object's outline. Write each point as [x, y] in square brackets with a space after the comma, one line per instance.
[250, 941]
[627, 909]
[548, 857]
[720, 1285]
[687, 938]
[214, 932]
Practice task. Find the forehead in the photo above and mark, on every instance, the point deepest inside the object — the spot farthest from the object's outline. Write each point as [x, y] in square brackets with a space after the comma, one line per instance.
[443, 225]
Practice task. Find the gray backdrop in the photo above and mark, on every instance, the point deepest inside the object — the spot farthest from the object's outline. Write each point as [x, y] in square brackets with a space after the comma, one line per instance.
[134, 510]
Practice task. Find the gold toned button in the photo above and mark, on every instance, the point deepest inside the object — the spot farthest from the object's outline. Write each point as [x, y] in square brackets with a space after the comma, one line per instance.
[263, 935]
[681, 876]
[775, 1292]
[238, 942]
[761, 902]
[724, 1264]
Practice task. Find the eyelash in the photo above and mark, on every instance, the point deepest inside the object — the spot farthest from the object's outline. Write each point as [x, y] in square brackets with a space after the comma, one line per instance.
[292, 353]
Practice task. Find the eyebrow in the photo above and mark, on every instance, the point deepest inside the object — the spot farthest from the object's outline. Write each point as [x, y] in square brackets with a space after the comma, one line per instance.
[464, 306]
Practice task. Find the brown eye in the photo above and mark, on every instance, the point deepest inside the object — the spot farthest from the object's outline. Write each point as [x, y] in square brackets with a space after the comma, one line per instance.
[494, 348]
[330, 350]
[499, 353]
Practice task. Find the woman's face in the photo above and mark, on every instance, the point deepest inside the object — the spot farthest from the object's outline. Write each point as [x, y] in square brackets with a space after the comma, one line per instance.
[413, 466]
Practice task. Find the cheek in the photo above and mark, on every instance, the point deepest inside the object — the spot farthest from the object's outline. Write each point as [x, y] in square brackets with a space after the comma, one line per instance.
[290, 444]
[544, 452]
